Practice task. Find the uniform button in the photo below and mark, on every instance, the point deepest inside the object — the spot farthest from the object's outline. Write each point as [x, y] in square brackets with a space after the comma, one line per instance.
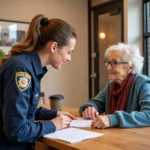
[36, 95]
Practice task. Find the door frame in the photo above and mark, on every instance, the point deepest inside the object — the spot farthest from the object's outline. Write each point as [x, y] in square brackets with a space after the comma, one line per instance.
[97, 10]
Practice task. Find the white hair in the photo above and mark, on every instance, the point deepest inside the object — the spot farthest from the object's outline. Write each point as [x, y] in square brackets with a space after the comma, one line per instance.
[132, 55]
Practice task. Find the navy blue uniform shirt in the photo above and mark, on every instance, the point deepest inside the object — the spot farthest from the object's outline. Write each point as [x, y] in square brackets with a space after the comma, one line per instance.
[20, 78]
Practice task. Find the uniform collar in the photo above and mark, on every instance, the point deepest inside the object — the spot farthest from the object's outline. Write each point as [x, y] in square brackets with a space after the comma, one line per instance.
[39, 70]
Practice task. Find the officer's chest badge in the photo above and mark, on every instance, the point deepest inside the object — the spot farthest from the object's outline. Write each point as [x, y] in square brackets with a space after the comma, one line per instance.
[23, 80]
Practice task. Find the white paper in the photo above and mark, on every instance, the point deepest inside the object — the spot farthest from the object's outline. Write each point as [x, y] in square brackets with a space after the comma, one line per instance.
[81, 123]
[73, 135]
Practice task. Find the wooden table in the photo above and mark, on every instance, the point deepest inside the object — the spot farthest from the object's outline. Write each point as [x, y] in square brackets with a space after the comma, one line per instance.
[113, 139]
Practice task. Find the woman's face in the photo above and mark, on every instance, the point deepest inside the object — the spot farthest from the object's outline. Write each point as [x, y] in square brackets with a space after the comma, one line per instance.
[120, 71]
[63, 55]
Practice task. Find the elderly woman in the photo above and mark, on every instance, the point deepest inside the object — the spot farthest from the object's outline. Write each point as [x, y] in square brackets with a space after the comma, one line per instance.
[125, 101]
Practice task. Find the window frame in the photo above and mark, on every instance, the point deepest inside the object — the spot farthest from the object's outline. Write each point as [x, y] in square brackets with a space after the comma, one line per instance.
[146, 35]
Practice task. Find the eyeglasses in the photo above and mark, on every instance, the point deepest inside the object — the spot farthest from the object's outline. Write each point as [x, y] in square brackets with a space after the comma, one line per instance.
[113, 63]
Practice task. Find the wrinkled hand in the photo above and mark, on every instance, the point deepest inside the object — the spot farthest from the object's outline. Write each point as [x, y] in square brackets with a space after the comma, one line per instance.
[101, 122]
[61, 122]
[90, 113]
[65, 113]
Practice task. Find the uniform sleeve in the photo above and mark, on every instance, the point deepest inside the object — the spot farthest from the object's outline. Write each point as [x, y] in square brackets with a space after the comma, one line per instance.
[45, 114]
[139, 118]
[18, 125]
[97, 102]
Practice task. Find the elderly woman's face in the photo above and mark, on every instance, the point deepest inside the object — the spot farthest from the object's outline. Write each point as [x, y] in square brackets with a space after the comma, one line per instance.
[119, 71]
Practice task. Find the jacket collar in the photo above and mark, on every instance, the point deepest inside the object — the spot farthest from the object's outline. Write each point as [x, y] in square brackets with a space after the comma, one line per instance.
[36, 62]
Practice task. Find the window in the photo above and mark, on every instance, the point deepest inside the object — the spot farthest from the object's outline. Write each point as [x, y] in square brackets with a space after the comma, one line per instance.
[146, 36]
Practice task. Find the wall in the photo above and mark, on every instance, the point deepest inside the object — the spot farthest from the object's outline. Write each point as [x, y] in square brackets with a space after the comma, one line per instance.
[97, 2]
[133, 29]
[72, 79]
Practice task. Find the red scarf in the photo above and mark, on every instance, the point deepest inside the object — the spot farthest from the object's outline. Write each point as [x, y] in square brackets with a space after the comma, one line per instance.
[121, 91]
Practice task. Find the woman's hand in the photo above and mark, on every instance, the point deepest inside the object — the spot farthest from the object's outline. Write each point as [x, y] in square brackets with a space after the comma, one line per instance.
[101, 122]
[90, 113]
[61, 122]
[65, 113]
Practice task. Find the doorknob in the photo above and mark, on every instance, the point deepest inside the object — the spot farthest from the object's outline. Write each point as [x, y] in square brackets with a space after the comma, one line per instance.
[93, 75]
[93, 55]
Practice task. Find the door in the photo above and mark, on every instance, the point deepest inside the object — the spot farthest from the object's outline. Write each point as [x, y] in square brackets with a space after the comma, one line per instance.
[106, 30]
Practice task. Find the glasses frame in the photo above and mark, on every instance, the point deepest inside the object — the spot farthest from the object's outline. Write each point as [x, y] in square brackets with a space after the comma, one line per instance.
[113, 65]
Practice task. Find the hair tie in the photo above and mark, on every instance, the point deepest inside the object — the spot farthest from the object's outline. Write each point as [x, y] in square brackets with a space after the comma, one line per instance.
[44, 21]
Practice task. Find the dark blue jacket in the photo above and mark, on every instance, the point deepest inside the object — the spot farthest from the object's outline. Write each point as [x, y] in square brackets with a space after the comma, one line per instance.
[20, 78]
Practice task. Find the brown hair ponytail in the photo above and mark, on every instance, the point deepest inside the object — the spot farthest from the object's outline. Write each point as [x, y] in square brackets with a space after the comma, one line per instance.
[42, 30]
[31, 38]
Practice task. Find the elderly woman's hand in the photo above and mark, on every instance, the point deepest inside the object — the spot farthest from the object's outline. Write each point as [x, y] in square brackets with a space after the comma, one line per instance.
[101, 122]
[90, 113]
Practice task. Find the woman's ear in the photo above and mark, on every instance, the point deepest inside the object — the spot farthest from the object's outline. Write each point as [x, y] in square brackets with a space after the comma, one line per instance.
[53, 47]
[131, 68]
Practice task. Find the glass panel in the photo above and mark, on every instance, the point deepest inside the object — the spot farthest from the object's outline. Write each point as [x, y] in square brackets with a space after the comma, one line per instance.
[109, 34]
[97, 2]
[148, 17]
[148, 48]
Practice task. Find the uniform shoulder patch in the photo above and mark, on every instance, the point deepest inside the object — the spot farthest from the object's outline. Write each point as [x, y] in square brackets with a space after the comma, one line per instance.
[23, 80]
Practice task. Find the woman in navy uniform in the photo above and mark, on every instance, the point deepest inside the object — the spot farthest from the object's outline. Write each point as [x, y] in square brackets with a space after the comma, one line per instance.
[47, 42]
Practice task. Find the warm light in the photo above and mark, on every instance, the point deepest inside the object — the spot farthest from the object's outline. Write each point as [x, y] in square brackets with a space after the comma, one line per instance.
[102, 35]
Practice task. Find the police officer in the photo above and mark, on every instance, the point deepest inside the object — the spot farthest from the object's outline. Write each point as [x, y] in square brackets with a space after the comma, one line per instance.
[47, 42]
